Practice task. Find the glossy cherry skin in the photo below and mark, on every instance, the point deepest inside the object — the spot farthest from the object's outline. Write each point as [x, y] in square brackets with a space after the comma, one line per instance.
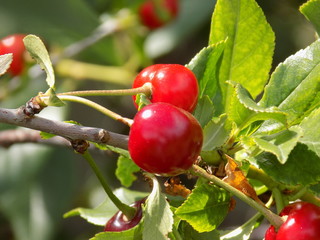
[303, 222]
[271, 233]
[151, 18]
[171, 83]
[119, 222]
[164, 140]
[14, 44]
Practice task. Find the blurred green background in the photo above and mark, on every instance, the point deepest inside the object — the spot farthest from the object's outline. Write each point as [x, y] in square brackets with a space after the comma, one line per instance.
[38, 184]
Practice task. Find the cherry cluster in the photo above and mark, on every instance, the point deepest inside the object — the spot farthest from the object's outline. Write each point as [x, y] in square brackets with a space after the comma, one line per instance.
[165, 138]
[302, 223]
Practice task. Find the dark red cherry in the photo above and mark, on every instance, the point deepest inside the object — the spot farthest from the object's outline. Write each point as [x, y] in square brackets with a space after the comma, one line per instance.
[164, 139]
[119, 221]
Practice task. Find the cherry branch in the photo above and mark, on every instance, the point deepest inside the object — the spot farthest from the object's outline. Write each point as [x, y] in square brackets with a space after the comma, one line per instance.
[68, 131]
[14, 136]
[274, 219]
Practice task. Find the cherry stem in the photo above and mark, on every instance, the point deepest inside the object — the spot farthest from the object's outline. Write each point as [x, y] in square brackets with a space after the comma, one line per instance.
[128, 211]
[274, 219]
[97, 107]
[260, 175]
[278, 199]
[145, 89]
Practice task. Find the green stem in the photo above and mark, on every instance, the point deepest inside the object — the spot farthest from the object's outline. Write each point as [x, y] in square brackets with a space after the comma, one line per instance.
[97, 107]
[176, 233]
[274, 219]
[299, 193]
[145, 89]
[128, 211]
[311, 198]
[258, 174]
[278, 199]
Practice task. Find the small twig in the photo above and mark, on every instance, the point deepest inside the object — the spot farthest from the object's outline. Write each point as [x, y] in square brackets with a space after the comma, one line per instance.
[14, 136]
[66, 130]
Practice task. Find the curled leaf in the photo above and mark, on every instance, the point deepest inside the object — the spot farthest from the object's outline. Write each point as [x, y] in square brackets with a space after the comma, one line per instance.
[236, 179]
[174, 187]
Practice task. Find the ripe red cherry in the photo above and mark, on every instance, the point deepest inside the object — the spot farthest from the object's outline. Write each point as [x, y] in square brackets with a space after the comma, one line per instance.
[14, 44]
[119, 222]
[270, 233]
[164, 139]
[171, 83]
[151, 18]
[303, 222]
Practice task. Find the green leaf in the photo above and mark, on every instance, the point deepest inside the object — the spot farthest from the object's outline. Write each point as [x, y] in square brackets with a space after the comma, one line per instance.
[142, 100]
[311, 136]
[120, 151]
[188, 232]
[311, 10]
[293, 87]
[280, 144]
[302, 166]
[204, 111]
[45, 135]
[249, 48]
[125, 171]
[205, 65]
[158, 218]
[130, 234]
[5, 61]
[243, 110]
[243, 232]
[215, 133]
[315, 188]
[101, 214]
[53, 99]
[38, 51]
[205, 208]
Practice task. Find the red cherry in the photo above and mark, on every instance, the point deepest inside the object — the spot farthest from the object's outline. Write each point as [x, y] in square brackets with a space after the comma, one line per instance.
[270, 233]
[171, 83]
[14, 44]
[119, 222]
[164, 139]
[151, 18]
[303, 222]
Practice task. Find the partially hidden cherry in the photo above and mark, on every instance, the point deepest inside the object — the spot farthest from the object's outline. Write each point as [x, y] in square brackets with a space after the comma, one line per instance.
[164, 139]
[152, 18]
[14, 44]
[270, 233]
[171, 83]
[302, 223]
[119, 222]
